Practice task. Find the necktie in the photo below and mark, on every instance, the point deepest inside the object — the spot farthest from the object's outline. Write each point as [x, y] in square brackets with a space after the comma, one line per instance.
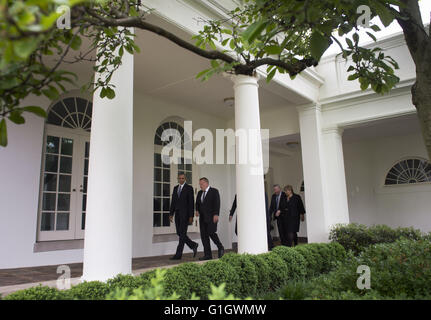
[179, 190]
[278, 201]
[203, 196]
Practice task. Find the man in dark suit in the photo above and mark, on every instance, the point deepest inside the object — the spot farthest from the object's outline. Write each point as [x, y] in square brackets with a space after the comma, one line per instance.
[182, 205]
[208, 210]
[278, 209]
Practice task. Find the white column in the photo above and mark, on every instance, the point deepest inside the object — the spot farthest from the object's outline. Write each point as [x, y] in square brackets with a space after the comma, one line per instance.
[108, 234]
[324, 178]
[336, 195]
[252, 236]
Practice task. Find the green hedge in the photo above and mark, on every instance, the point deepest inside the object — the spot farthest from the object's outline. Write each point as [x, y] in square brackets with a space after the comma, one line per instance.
[244, 275]
[246, 271]
[357, 237]
[398, 270]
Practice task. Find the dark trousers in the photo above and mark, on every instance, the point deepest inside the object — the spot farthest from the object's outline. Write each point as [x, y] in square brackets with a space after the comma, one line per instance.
[208, 230]
[292, 239]
[282, 229]
[182, 224]
[268, 231]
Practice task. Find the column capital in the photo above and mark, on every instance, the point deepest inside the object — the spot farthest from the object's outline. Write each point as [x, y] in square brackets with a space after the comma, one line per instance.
[312, 107]
[241, 79]
[334, 130]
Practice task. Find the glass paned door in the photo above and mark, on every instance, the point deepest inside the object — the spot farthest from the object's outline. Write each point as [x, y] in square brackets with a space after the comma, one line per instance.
[163, 186]
[62, 173]
[82, 192]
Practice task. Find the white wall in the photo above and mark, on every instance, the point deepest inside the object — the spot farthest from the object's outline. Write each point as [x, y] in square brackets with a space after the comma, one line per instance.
[370, 202]
[20, 165]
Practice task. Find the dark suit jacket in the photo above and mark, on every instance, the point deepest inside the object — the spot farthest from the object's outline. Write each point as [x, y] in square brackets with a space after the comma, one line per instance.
[211, 205]
[184, 205]
[295, 207]
[282, 206]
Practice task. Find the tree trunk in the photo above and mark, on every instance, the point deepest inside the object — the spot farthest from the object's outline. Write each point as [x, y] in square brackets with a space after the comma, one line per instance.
[419, 44]
[421, 96]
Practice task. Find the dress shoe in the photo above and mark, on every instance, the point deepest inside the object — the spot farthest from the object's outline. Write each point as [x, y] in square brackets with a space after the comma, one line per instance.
[175, 258]
[205, 258]
[220, 253]
[195, 250]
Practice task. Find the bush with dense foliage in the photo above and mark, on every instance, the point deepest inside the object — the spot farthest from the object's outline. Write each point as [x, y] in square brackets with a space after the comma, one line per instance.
[398, 270]
[244, 275]
[357, 237]
[246, 271]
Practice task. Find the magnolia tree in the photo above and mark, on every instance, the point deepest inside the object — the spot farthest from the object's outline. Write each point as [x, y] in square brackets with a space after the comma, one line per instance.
[283, 36]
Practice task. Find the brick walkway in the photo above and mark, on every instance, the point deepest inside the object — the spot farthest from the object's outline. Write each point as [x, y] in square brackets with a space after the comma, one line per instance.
[9, 277]
[20, 278]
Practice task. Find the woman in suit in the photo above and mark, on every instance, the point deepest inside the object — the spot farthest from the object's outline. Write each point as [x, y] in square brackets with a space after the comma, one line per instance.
[295, 214]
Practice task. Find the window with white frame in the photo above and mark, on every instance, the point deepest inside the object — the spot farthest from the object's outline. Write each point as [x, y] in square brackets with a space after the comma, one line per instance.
[165, 173]
[64, 172]
[409, 171]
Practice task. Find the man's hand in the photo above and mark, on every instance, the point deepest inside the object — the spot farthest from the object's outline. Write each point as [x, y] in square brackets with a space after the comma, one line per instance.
[215, 219]
[302, 217]
[191, 220]
[277, 214]
[230, 218]
[197, 213]
[171, 219]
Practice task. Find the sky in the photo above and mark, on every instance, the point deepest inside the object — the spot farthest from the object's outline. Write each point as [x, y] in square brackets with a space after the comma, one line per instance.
[425, 6]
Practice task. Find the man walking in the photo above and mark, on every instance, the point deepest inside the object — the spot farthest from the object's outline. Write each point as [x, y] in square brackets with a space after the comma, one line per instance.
[182, 205]
[278, 209]
[208, 210]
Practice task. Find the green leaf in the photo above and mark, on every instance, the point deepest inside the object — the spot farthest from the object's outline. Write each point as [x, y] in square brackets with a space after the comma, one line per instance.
[271, 75]
[214, 64]
[254, 30]
[200, 74]
[384, 14]
[23, 48]
[319, 44]
[3, 133]
[274, 49]
[51, 93]
[36, 110]
[110, 93]
[15, 117]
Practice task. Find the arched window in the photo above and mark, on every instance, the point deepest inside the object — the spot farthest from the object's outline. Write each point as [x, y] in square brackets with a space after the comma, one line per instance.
[71, 113]
[409, 171]
[64, 173]
[165, 173]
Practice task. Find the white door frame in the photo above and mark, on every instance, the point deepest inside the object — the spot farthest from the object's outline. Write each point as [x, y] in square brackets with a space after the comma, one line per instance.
[79, 137]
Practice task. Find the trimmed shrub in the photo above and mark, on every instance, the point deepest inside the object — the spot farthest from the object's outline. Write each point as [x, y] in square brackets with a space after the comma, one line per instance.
[357, 237]
[175, 282]
[263, 271]
[128, 282]
[92, 290]
[294, 261]
[196, 281]
[218, 272]
[399, 269]
[312, 259]
[278, 270]
[37, 293]
[246, 271]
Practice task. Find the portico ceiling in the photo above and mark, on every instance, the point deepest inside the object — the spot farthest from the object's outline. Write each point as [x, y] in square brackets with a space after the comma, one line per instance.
[167, 72]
